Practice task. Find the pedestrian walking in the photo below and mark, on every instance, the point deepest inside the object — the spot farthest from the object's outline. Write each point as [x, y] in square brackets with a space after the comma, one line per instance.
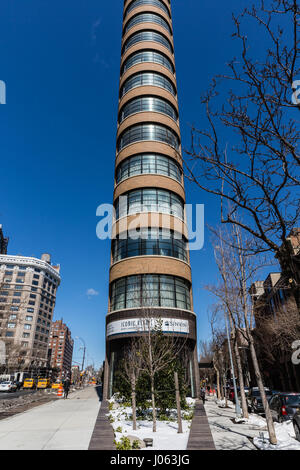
[202, 394]
[66, 386]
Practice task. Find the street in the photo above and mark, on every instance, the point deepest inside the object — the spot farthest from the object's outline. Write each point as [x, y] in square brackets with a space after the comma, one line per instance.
[17, 394]
[59, 425]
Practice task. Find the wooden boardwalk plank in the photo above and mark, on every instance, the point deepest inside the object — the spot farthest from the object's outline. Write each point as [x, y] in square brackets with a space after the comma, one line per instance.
[200, 434]
[103, 435]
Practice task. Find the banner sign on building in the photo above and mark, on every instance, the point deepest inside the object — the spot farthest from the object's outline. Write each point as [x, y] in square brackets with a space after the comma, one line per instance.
[134, 325]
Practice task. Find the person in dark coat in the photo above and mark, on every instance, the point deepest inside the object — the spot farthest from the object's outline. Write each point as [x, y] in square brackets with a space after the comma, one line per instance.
[202, 394]
[66, 385]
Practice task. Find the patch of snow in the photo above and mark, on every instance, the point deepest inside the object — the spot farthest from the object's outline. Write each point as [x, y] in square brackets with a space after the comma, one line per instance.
[286, 439]
[165, 438]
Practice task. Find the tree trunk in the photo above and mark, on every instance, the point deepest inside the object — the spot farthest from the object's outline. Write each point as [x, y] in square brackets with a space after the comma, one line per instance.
[178, 403]
[133, 395]
[241, 381]
[218, 383]
[153, 403]
[269, 419]
[282, 380]
[297, 379]
[287, 369]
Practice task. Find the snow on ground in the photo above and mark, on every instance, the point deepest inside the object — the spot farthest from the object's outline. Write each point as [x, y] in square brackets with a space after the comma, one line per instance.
[285, 436]
[165, 438]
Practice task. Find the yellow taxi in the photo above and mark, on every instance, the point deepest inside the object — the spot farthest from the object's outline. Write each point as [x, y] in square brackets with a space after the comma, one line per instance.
[56, 385]
[29, 383]
[43, 383]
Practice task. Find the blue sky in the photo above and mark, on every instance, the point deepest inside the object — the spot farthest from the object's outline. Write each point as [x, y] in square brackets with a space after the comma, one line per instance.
[60, 62]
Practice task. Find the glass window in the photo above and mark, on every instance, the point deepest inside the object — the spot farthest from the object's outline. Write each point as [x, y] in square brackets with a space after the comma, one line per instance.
[150, 242]
[149, 200]
[150, 132]
[150, 290]
[147, 18]
[147, 56]
[137, 3]
[152, 36]
[147, 103]
[148, 78]
[148, 163]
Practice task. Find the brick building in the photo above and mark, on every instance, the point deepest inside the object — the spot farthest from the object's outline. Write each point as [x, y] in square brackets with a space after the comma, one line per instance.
[61, 348]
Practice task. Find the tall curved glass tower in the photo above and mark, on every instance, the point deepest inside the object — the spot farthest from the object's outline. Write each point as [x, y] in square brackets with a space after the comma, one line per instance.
[150, 264]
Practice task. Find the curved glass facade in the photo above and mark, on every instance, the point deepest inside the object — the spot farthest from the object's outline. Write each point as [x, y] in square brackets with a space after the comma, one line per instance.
[150, 104]
[150, 290]
[147, 36]
[153, 241]
[139, 3]
[147, 56]
[148, 164]
[147, 18]
[151, 132]
[147, 78]
[149, 200]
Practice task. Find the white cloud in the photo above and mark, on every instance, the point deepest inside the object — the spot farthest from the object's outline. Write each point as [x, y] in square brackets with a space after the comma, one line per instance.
[91, 293]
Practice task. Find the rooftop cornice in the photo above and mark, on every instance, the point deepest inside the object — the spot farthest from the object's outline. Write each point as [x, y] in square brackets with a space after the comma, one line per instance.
[25, 260]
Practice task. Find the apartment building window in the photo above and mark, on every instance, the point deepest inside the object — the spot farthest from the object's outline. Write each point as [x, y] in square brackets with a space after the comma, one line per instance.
[27, 326]
[20, 281]
[11, 325]
[9, 334]
[28, 318]
[30, 310]
[12, 317]
[26, 335]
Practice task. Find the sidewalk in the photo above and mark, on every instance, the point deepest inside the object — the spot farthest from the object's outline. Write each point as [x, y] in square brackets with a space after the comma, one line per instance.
[62, 424]
[228, 435]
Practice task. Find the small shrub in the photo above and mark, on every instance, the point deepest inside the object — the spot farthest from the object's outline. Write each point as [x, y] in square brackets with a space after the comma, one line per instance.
[110, 406]
[135, 445]
[124, 444]
[119, 429]
[188, 416]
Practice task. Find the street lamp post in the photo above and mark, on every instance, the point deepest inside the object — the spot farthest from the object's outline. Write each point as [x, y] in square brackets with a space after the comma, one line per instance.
[84, 350]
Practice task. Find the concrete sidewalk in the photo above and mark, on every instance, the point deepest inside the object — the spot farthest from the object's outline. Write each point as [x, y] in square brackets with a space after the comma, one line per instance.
[62, 424]
[228, 435]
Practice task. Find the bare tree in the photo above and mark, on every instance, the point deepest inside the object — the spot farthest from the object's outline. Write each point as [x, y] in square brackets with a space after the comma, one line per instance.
[157, 350]
[237, 270]
[276, 332]
[132, 367]
[259, 174]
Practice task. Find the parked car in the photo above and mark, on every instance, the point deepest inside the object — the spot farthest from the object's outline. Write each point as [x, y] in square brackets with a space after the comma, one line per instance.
[8, 386]
[284, 405]
[296, 424]
[254, 399]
